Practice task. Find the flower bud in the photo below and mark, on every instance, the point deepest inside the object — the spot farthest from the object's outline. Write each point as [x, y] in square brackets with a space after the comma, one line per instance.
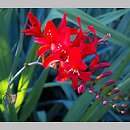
[110, 82]
[122, 112]
[100, 66]
[114, 105]
[97, 96]
[105, 102]
[113, 92]
[104, 37]
[81, 88]
[91, 90]
[105, 74]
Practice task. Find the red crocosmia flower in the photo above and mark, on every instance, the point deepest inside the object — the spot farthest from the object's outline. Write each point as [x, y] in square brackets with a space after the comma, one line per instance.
[74, 68]
[34, 28]
[90, 47]
[73, 73]
[55, 40]
[65, 73]
[67, 48]
[48, 41]
[87, 48]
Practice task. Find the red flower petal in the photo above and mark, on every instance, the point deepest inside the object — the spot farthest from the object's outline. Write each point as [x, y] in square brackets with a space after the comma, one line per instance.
[26, 31]
[75, 82]
[43, 49]
[75, 59]
[74, 55]
[88, 49]
[80, 36]
[85, 76]
[41, 41]
[92, 29]
[79, 22]
[63, 22]
[50, 31]
[95, 61]
[33, 20]
[51, 59]
[64, 37]
[30, 32]
[81, 66]
[63, 65]
[63, 76]
[73, 31]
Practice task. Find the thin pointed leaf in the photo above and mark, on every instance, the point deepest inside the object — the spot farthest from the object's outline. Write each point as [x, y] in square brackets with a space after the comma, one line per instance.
[33, 97]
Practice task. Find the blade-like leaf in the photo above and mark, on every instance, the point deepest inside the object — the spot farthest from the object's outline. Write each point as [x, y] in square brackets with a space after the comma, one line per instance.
[33, 97]
[26, 77]
[112, 16]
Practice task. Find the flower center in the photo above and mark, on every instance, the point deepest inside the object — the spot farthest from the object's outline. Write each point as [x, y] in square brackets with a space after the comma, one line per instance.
[75, 71]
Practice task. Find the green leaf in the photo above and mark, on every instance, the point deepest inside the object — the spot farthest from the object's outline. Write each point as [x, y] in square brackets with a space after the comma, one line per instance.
[26, 77]
[5, 60]
[1, 115]
[5, 57]
[53, 111]
[33, 97]
[112, 16]
[42, 116]
[78, 109]
[1, 10]
[12, 113]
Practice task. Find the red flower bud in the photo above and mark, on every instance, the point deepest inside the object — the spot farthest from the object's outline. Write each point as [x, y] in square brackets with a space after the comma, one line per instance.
[91, 90]
[105, 102]
[105, 74]
[104, 37]
[100, 66]
[97, 96]
[81, 88]
[110, 82]
[113, 92]
[124, 105]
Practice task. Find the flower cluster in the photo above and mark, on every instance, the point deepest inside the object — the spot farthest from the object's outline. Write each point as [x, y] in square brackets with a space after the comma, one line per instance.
[67, 48]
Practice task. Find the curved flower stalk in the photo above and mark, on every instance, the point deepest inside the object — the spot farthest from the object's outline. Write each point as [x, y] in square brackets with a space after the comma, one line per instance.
[66, 54]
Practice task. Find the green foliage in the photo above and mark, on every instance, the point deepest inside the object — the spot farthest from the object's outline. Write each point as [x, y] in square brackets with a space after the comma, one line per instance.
[34, 96]
[25, 77]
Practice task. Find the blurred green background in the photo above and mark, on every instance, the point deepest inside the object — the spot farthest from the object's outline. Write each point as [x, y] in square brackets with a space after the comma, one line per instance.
[39, 97]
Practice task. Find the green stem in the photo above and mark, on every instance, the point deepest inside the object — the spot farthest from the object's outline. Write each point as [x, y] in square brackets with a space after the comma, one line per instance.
[20, 71]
